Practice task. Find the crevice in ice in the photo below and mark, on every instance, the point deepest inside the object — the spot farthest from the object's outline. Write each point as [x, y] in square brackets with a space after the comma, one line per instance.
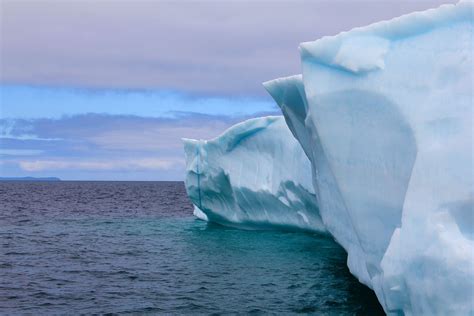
[239, 133]
[198, 174]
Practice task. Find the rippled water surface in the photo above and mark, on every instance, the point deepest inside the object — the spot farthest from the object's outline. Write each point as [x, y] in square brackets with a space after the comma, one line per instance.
[132, 247]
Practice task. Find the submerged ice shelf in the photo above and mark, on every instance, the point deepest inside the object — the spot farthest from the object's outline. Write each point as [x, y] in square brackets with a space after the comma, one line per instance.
[385, 115]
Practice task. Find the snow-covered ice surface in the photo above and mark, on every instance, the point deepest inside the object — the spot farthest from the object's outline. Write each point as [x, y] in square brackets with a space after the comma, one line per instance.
[385, 114]
[255, 175]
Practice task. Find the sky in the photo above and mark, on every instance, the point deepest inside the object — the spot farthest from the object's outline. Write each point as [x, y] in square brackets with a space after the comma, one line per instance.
[105, 90]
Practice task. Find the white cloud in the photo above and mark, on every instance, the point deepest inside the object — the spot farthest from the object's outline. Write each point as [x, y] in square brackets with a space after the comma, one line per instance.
[106, 146]
[28, 137]
[7, 131]
[155, 138]
[20, 152]
[102, 165]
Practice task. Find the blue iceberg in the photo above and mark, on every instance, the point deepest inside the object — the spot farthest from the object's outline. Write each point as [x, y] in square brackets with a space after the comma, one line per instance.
[384, 115]
[254, 176]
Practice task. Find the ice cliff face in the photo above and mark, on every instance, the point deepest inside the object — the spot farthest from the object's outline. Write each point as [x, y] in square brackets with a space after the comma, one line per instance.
[385, 115]
[290, 96]
[255, 175]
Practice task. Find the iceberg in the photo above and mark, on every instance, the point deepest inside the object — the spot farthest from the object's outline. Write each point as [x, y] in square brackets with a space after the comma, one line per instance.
[385, 114]
[289, 94]
[254, 176]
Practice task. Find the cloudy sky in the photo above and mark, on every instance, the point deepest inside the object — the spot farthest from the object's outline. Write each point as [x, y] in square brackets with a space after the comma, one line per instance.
[105, 90]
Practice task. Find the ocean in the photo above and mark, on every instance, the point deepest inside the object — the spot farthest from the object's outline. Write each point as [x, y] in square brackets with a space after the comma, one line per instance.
[134, 247]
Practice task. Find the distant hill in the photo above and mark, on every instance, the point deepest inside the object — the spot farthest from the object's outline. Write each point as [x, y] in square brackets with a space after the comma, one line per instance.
[29, 179]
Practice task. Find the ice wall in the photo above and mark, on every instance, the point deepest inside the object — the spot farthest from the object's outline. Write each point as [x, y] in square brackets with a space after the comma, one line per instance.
[255, 175]
[290, 96]
[385, 114]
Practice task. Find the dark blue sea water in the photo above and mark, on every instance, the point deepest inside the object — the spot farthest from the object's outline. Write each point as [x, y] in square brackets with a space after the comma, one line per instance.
[134, 247]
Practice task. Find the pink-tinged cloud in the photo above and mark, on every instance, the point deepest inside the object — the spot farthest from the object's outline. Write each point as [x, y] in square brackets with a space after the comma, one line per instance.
[226, 47]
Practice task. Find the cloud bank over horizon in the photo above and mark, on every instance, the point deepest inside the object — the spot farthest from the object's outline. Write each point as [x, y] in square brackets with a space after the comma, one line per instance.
[37, 102]
[102, 90]
[123, 147]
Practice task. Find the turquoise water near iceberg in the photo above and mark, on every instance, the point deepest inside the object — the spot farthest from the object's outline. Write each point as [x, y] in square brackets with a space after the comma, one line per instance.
[134, 247]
